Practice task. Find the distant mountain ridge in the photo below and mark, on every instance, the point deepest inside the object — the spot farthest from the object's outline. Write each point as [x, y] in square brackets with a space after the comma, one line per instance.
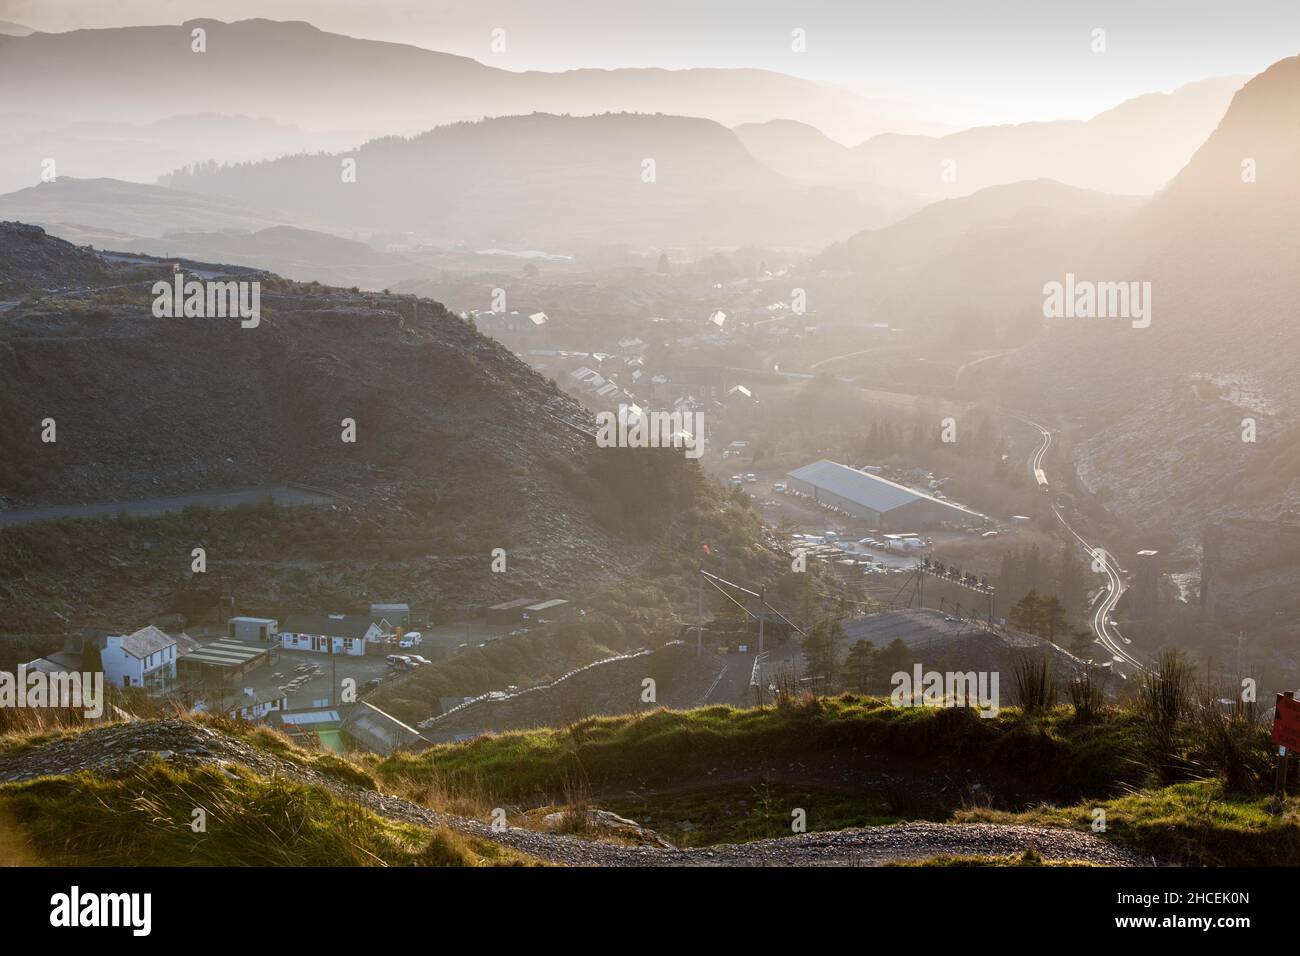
[1134, 148]
[298, 73]
[550, 182]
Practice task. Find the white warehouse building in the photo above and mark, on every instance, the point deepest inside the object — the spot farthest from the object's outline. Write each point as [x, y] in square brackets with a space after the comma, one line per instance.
[885, 504]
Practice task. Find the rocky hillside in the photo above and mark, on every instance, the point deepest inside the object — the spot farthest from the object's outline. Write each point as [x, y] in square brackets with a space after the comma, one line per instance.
[34, 262]
[459, 447]
[1163, 407]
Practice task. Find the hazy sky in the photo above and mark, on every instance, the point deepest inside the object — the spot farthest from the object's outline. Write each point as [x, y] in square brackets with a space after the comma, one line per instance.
[959, 60]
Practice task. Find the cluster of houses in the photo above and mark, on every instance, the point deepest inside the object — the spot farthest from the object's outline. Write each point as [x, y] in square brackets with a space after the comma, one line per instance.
[254, 668]
[209, 674]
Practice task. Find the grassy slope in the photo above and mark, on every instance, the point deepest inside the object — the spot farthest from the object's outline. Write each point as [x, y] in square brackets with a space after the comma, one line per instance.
[671, 756]
[664, 748]
[145, 817]
[678, 762]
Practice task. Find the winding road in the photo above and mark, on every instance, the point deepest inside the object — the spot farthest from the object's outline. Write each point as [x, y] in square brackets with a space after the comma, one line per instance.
[1107, 633]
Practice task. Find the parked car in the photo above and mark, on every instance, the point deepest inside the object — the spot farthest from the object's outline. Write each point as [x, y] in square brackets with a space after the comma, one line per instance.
[779, 488]
[406, 642]
[751, 478]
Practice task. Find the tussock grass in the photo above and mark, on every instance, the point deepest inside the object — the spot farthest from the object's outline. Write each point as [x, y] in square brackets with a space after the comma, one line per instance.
[1035, 686]
[145, 818]
[1087, 692]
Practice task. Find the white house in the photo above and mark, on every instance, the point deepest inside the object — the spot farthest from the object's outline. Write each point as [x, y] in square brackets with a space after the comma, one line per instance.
[146, 658]
[329, 633]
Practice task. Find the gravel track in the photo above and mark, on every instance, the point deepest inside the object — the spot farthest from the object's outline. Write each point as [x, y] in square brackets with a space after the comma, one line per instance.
[117, 749]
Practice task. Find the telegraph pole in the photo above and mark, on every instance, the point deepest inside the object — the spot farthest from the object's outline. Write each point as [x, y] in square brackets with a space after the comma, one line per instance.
[758, 661]
[699, 615]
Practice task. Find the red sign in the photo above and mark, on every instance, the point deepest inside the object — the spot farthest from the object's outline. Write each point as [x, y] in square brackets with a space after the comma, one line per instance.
[1286, 723]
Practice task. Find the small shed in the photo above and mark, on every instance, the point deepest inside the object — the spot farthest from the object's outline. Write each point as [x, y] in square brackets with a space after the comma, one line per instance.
[262, 629]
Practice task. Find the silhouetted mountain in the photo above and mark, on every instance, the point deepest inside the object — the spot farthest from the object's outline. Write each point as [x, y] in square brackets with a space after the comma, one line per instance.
[1132, 149]
[294, 72]
[1220, 250]
[549, 182]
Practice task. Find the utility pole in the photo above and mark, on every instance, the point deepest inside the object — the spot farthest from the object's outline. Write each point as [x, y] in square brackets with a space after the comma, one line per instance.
[699, 615]
[758, 661]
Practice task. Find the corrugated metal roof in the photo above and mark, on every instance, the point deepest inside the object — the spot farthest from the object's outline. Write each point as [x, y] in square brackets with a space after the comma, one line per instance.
[224, 652]
[870, 491]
